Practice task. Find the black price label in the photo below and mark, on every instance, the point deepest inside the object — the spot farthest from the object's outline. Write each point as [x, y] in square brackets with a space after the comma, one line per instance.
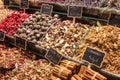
[24, 4]
[53, 56]
[37, 50]
[105, 16]
[10, 40]
[2, 35]
[47, 9]
[75, 11]
[6, 2]
[115, 20]
[93, 56]
[21, 43]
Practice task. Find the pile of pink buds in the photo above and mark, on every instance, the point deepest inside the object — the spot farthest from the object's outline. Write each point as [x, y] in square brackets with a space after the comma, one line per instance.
[13, 22]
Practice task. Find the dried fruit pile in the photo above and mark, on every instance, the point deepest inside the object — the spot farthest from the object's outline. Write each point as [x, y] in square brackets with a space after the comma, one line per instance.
[106, 39]
[26, 68]
[13, 21]
[35, 27]
[64, 37]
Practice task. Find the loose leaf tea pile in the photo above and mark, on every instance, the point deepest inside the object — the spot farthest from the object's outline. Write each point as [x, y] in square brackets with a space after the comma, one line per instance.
[106, 39]
[64, 37]
[25, 67]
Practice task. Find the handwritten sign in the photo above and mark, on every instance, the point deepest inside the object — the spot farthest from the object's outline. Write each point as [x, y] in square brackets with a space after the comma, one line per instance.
[24, 4]
[10, 40]
[53, 56]
[21, 43]
[37, 50]
[2, 35]
[6, 2]
[93, 56]
[115, 20]
[47, 9]
[75, 11]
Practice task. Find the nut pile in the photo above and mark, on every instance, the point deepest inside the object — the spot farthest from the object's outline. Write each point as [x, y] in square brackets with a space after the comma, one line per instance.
[106, 39]
[35, 27]
[64, 37]
[26, 68]
[13, 21]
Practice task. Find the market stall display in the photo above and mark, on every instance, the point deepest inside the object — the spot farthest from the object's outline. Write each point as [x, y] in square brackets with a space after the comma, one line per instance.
[60, 42]
[35, 27]
[13, 21]
[64, 37]
[106, 39]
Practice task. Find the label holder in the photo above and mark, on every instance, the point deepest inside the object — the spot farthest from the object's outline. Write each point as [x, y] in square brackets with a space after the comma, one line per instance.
[43, 9]
[20, 44]
[70, 13]
[24, 7]
[90, 63]
[51, 61]
[2, 37]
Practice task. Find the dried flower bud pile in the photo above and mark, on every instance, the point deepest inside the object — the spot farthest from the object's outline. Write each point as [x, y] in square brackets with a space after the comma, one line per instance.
[13, 22]
[35, 27]
[26, 68]
[106, 39]
[64, 37]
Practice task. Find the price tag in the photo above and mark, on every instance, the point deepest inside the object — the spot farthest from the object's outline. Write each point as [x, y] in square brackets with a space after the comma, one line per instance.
[93, 56]
[37, 50]
[115, 20]
[105, 15]
[46, 9]
[2, 35]
[24, 4]
[53, 56]
[75, 11]
[19, 42]
[6, 2]
[10, 40]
